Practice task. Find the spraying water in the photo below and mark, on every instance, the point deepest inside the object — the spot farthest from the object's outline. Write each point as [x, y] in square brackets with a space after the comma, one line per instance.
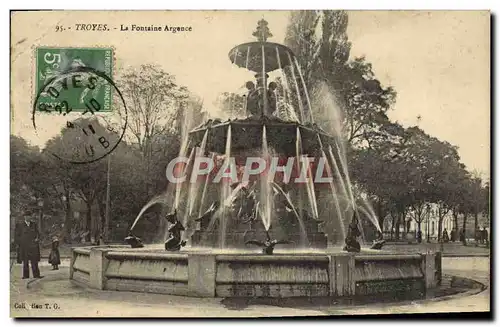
[299, 98]
[265, 205]
[298, 156]
[333, 190]
[157, 199]
[311, 194]
[303, 201]
[303, 234]
[326, 103]
[194, 187]
[225, 191]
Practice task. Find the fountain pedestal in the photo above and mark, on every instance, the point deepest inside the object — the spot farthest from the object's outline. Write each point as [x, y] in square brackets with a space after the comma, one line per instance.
[222, 274]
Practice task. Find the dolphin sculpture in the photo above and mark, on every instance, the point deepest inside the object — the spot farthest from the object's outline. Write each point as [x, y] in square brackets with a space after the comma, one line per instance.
[207, 216]
[134, 241]
[377, 244]
[268, 245]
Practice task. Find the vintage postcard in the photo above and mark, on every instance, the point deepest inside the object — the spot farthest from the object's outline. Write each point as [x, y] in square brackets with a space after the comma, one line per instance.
[249, 163]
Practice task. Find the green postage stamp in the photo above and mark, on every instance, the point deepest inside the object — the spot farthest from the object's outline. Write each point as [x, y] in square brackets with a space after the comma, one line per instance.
[81, 92]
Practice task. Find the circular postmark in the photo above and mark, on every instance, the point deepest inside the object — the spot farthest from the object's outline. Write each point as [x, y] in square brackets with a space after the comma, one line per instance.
[79, 103]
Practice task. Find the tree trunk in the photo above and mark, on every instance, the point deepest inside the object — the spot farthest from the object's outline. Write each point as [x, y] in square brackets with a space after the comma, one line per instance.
[405, 232]
[406, 228]
[102, 224]
[40, 222]
[393, 225]
[88, 227]
[440, 227]
[398, 224]
[68, 226]
[476, 226]
[464, 226]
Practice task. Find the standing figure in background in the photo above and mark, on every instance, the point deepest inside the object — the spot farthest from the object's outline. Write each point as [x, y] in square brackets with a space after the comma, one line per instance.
[462, 235]
[27, 241]
[453, 235]
[446, 237]
[54, 257]
[484, 236]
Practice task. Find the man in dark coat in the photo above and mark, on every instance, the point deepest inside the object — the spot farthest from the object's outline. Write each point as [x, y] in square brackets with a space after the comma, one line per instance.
[27, 241]
[484, 237]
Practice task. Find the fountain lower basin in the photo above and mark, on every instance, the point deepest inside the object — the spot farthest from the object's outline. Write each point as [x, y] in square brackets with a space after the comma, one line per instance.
[240, 273]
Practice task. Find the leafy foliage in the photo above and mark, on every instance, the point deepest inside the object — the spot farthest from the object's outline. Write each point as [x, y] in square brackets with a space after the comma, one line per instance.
[159, 112]
[401, 169]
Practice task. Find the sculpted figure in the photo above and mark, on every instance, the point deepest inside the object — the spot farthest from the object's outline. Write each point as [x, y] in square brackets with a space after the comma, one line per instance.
[174, 242]
[134, 241]
[351, 244]
[378, 243]
[207, 216]
[252, 99]
[268, 245]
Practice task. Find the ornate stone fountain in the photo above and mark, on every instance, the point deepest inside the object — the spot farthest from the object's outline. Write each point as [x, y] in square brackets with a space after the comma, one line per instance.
[215, 227]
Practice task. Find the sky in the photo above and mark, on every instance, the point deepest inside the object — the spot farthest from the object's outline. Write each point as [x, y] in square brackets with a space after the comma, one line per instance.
[438, 62]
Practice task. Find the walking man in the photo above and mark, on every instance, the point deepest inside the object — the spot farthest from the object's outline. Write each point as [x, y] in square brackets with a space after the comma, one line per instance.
[27, 241]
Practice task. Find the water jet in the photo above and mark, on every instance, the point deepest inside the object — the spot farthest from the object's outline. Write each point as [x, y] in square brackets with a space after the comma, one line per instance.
[207, 253]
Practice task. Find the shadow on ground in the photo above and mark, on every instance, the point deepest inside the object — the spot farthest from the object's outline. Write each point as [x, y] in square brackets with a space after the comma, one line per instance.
[451, 286]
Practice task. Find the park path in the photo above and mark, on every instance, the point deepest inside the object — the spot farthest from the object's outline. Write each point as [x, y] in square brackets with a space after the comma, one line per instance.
[59, 297]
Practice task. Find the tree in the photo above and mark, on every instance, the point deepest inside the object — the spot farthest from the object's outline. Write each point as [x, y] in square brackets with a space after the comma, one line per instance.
[152, 96]
[31, 173]
[232, 104]
[485, 202]
[476, 199]
[82, 181]
[366, 103]
[319, 40]
[23, 159]
[158, 109]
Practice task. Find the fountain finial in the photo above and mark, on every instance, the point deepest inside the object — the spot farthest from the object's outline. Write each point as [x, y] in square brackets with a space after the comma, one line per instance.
[262, 33]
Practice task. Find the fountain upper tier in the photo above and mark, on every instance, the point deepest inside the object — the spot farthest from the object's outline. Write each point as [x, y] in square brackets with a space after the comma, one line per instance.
[256, 55]
[279, 90]
[262, 56]
[279, 104]
[247, 134]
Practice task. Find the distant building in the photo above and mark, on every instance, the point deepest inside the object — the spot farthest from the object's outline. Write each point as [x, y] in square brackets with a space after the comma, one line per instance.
[430, 225]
